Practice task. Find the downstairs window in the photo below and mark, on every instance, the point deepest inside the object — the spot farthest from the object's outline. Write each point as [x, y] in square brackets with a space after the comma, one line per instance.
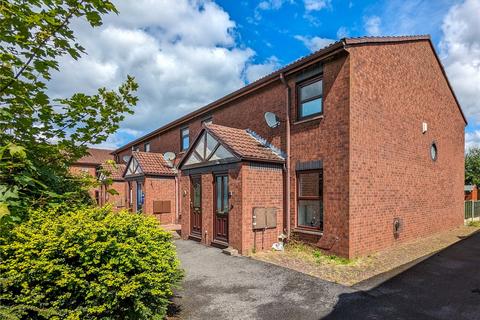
[310, 199]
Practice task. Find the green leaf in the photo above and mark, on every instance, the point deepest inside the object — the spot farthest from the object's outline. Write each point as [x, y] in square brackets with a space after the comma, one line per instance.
[3, 210]
[17, 151]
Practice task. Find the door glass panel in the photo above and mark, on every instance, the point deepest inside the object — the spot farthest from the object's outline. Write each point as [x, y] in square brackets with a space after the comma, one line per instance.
[218, 185]
[225, 194]
[196, 195]
[139, 196]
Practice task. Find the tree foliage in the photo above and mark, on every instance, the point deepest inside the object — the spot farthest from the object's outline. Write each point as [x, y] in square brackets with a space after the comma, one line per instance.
[87, 264]
[52, 133]
[472, 166]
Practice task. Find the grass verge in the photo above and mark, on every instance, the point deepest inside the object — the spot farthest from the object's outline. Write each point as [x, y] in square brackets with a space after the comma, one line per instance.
[310, 260]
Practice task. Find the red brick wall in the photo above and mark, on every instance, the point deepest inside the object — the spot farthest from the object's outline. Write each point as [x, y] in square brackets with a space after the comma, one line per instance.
[394, 88]
[119, 200]
[262, 187]
[80, 169]
[160, 189]
[326, 139]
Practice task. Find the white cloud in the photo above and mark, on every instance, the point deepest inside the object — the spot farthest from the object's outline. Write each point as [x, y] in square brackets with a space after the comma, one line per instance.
[257, 71]
[182, 56]
[269, 5]
[314, 43]
[372, 25]
[405, 17]
[472, 139]
[460, 51]
[342, 32]
[316, 5]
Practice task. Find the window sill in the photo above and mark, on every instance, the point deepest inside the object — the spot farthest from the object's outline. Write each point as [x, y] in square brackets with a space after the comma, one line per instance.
[307, 231]
[308, 120]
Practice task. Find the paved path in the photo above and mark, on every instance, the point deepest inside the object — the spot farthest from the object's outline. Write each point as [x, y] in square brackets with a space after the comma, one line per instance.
[217, 286]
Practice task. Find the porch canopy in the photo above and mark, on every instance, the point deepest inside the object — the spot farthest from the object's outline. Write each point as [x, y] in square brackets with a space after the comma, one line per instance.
[147, 164]
[217, 144]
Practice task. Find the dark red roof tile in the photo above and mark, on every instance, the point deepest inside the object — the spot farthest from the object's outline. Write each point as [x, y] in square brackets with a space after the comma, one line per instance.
[153, 163]
[245, 143]
[96, 156]
[116, 171]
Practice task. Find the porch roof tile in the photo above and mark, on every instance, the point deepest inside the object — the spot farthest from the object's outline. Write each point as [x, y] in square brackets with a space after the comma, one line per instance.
[153, 163]
[116, 172]
[245, 143]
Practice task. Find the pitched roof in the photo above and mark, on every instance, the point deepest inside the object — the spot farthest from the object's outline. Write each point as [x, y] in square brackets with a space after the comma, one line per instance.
[245, 143]
[116, 172]
[242, 144]
[153, 163]
[290, 68]
[96, 156]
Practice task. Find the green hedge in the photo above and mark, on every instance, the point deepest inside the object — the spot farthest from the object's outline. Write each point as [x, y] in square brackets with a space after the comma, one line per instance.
[87, 264]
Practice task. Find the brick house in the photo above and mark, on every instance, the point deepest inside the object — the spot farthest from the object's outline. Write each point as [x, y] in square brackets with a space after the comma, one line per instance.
[89, 164]
[471, 192]
[151, 184]
[359, 128]
[115, 174]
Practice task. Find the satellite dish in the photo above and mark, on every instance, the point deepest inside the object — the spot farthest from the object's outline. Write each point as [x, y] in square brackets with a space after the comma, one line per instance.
[272, 119]
[169, 156]
[126, 158]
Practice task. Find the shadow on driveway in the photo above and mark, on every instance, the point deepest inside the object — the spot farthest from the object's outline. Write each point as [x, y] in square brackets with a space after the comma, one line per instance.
[444, 286]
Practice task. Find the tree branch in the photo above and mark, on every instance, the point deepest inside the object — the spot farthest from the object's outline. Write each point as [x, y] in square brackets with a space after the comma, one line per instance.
[42, 43]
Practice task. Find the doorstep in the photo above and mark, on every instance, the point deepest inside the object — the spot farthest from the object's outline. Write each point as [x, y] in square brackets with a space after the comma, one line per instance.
[219, 244]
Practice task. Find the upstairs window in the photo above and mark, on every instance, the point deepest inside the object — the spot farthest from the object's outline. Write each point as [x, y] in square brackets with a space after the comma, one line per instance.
[310, 94]
[184, 139]
[147, 147]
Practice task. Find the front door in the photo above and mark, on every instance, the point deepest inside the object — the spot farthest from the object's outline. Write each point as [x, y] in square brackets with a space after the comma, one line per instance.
[196, 206]
[139, 197]
[222, 208]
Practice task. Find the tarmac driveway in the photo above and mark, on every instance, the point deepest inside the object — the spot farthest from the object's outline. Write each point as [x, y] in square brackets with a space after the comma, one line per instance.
[217, 286]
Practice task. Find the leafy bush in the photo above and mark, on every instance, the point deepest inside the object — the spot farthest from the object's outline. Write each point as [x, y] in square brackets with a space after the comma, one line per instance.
[87, 264]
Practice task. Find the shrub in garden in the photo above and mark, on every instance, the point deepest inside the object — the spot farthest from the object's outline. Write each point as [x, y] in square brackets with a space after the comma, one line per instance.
[88, 263]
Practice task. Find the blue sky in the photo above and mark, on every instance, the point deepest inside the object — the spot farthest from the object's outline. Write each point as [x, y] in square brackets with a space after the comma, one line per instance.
[191, 53]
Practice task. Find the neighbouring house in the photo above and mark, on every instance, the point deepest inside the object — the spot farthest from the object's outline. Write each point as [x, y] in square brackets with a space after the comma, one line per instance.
[471, 193]
[151, 186]
[113, 172]
[363, 148]
[90, 163]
